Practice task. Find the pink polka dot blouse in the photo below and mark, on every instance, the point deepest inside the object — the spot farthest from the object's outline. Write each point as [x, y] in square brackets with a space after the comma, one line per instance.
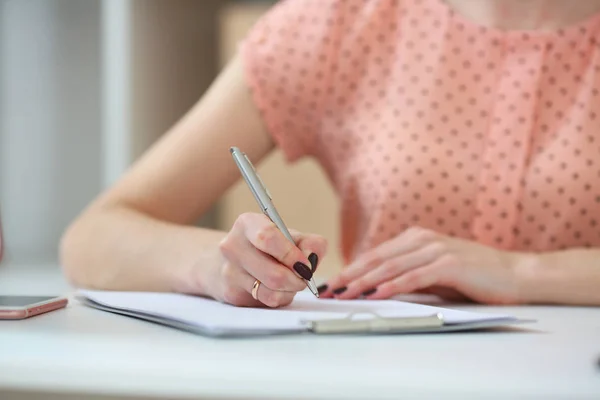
[422, 117]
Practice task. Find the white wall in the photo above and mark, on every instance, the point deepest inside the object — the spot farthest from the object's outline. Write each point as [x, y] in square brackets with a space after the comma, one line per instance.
[85, 87]
[49, 120]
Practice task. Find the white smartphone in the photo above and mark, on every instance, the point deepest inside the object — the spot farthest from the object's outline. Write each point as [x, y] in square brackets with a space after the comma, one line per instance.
[20, 307]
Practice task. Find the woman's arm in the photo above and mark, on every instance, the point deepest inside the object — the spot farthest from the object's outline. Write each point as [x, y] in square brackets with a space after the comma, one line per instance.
[134, 236]
[563, 277]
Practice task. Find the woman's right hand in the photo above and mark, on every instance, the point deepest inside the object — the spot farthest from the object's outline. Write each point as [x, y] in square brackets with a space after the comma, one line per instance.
[256, 249]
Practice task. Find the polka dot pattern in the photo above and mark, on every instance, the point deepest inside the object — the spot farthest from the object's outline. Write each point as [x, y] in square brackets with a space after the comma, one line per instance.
[421, 117]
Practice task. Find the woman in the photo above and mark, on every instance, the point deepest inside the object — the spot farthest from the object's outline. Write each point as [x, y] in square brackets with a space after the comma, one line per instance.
[462, 137]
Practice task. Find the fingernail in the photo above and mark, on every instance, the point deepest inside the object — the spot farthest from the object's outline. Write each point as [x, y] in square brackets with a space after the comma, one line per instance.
[314, 261]
[369, 292]
[322, 288]
[303, 270]
[340, 290]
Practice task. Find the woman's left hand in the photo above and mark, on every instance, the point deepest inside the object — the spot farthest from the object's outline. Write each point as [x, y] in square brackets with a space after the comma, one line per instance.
[420, 260]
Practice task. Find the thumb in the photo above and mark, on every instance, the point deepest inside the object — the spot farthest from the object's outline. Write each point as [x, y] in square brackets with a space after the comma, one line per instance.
[313, 246]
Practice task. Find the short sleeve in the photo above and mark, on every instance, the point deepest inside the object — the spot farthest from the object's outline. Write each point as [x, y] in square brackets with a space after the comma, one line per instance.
[287, 58]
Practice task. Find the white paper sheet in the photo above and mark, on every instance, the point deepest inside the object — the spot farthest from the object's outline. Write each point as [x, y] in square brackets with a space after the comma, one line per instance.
[218, 318]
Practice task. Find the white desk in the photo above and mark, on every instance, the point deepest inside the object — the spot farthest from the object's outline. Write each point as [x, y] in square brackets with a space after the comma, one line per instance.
[85, 351]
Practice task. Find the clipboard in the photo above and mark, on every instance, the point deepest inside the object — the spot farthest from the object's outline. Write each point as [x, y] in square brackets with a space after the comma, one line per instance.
[375, 324]
[305, 315]
[405, 325]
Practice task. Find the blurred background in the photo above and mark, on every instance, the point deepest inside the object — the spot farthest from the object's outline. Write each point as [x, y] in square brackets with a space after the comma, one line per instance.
[87, 85]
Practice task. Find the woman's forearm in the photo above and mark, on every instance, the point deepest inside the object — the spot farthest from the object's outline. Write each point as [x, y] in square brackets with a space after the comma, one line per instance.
[118, 248]
[563, 277]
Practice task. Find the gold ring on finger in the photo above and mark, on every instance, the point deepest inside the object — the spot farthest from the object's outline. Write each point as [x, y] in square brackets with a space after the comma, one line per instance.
[255, 289]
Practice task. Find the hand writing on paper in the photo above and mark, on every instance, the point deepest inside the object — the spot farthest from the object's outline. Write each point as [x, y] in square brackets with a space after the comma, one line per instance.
[422, 260]
[256, 249]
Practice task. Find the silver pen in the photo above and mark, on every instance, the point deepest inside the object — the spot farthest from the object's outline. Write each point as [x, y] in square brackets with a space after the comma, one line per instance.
[264, 200]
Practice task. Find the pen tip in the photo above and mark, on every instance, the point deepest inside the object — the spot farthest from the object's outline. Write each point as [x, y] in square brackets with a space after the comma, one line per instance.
[313, 288]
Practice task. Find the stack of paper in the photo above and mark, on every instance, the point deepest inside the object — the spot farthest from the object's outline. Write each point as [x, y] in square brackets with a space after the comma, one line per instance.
[213, 318]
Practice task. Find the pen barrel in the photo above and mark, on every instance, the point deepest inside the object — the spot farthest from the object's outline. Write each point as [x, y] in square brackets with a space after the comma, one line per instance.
[278, 221]
[264, 200]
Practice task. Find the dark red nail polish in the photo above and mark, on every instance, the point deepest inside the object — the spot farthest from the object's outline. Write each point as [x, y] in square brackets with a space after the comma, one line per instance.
[322, 288]
[369, 292]
[340, 290]
[303, 270]
[314, 261]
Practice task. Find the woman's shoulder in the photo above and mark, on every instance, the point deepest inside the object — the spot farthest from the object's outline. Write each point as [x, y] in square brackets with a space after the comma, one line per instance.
[293, 55]
[313, 17]
[310, 35]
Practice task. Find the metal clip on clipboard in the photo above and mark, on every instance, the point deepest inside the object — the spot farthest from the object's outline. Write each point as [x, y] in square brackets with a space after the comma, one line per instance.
[377, 324]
